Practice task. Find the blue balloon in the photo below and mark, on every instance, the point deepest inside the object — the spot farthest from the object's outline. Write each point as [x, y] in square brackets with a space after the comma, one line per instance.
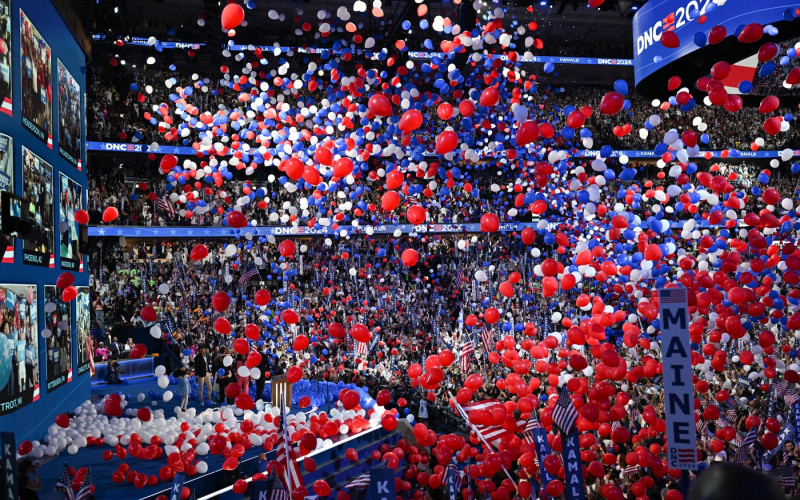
[621, 86]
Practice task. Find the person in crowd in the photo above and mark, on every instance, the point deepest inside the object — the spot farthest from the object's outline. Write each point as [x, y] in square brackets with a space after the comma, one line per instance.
[113, 372]
[29, 483]
[101, 353]
[202, 372]
[182, 374]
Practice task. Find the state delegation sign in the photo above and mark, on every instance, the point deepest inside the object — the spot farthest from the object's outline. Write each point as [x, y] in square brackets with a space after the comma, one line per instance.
[678, 391]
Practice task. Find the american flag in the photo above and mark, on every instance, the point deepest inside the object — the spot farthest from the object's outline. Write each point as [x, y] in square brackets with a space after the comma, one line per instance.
[791, 399]
[85, 491]
[163, 204]
[65, 483]
[630, 470]
[361, 481]
[783, 474]
[731, 415]
[490, 433]
[275, 488]
[486, 338]
[533, 423]
[564, 414]
[672, 295]
[455, 474]
[248, 275]
[286, 454]
[460, 278]
[410, 201]
[467, 348]
[747, 443]
[362, 348]
[781, 388]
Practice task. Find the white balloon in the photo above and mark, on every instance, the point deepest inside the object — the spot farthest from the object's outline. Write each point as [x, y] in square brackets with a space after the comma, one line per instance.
[243, 371]
[163, 381]
[255, 373]
[160, 370]
[155, 331]
[202, 467]
[167, 396]
[227, 360]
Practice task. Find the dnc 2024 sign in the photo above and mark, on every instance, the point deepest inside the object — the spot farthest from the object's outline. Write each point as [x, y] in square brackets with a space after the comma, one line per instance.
[684, 16]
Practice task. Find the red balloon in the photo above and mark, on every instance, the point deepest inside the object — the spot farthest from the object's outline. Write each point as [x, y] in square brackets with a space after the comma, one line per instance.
[717, 34]
[527, 132]
[110, 214]
[411, 120]
[390, 200]
[360, 333]
[410, 257]
[380, 105]
[239, 486]
[143, 414]
[222, 325]
[416, 214]
[138, 351]
[769, 104]
[466, 108]
[342, 167]
[287, 248]
[69, 293]
[199, 252]
[490, 96]
[612, 103]
[262, 297]
[294, 374]
[64, 280]
[751, 33]
[62, 420]
[670, 40]
[444, 111]
[220, 301]
[236, 219]
[168, 162]
[490, 223]
[232, 16]
[81, 217]
[446, 142]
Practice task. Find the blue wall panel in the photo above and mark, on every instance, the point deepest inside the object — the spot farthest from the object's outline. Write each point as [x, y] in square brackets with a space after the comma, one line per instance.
[31, 421]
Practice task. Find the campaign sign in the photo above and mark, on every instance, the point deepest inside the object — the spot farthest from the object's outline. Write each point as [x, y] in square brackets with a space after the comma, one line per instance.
[177, 487]
[381, 484]
[678, 392]
[9, 458]
[573, 472]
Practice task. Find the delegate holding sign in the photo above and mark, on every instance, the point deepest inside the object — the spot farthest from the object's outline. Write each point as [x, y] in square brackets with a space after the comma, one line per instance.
[678, 392]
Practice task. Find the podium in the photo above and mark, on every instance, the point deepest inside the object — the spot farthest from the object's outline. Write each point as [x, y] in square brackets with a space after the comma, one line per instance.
[281, 391]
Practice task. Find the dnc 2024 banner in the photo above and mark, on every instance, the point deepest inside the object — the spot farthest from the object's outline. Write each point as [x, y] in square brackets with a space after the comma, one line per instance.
[683, 18]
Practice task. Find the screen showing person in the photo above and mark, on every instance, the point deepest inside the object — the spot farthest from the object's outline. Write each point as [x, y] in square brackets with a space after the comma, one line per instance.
[37, 77]
[37, 195]
[6, 184]
[84, 347]
[70, 201]
[5, 57]
[19, 347]
[70, 140]
[58, 338]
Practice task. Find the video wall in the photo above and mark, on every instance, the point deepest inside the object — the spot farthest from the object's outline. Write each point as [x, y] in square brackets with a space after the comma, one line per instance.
[42, 185]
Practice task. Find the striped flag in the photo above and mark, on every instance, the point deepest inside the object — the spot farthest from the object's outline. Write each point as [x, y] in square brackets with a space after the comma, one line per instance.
[361, 481]
[747, 443]
[467, 348]
[362, 348]
[782, 387]
[286, 455]
[455, 474]
[791, 399]
[486, 338]
[490, 433]
[731, 416]
[164, 205]
[248, 275]
[783, 474]
[65, 483]
[672, 295]
[533, 423]
[85, 491]
[276, 489]
[564, 414]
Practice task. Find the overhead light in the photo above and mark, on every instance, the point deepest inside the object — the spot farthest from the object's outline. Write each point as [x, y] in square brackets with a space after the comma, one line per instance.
[543, 3]
[116, 10]
[635, 7]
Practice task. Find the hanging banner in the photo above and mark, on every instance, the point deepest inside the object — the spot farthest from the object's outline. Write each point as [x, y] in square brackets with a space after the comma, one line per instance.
[796, 415]
[542, 450]
[381, 484]
[9, 458]
[177, 487]
[573, 472]
[678, 391]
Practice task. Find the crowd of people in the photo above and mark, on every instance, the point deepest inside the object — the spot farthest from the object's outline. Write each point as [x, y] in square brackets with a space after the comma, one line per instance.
[519, 329]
